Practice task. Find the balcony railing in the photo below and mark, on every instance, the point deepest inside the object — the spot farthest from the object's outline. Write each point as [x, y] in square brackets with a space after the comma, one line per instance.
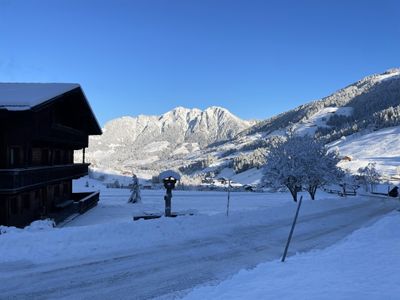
[81, 203]
[86, 200]
[14, 180]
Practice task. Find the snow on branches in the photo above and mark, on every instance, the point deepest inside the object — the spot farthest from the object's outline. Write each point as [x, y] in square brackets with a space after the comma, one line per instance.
[301, 162]
[369, 176]
[135, 189]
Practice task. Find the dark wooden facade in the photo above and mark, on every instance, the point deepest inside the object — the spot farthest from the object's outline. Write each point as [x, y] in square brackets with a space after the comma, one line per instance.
[37, 156]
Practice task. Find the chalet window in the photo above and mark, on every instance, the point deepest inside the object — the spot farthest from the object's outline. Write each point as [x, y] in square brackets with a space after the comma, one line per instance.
[14, 205]
[15, 156]
[26, 202]
[36, 156]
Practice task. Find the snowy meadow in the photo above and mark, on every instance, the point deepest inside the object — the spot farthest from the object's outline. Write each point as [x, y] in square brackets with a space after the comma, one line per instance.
[205, 249]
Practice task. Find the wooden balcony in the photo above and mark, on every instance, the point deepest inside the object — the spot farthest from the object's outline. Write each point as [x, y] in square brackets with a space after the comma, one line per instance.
[19, 179]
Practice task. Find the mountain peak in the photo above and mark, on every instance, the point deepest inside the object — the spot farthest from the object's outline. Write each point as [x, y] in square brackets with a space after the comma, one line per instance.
[216, 108]
[144, 141]
[182, 109]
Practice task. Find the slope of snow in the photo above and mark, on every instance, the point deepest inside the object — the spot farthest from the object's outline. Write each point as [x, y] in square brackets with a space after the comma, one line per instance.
[24, 96]
[252, 176]
[186, 148]
[381, 147]
[364, 266]
[320, 118]
[156, 146]
[381, 89]
[131, 163]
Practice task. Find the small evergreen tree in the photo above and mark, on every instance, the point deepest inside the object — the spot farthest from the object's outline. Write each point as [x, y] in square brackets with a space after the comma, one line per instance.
[135, 189]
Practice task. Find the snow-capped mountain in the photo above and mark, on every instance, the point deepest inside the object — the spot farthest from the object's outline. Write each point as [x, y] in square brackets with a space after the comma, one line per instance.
[346, 111]
[198, 142]
[130, 143]
[370, 104]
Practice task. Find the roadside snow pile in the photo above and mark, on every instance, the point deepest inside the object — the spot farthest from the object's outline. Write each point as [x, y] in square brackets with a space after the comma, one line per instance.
[363, 266]
[39, 225]
[6, 229]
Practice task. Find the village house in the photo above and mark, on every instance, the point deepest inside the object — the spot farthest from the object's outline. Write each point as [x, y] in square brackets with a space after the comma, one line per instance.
[41, 124]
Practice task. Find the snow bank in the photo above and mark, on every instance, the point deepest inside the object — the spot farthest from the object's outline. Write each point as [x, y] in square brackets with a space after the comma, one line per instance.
[39, 225]
[364, 266]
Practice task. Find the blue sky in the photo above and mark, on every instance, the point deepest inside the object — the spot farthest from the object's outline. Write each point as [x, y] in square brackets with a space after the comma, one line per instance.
[256, 58]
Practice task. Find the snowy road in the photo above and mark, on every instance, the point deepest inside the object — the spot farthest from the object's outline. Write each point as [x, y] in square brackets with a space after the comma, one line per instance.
[169, 271]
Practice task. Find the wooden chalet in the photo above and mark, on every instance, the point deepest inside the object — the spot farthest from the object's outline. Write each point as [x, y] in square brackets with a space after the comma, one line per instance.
[41, 124]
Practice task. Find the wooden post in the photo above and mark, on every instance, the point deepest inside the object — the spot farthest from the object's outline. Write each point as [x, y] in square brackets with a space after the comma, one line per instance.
[291, 230]
[229, 197]
[167, 199]
[83, 155]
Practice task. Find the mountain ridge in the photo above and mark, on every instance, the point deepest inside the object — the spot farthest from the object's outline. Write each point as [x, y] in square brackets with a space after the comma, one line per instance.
[136, 141]
[375, 83]
[198, 141]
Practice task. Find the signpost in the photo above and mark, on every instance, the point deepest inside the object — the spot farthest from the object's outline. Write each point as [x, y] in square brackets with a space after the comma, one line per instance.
[291, 230]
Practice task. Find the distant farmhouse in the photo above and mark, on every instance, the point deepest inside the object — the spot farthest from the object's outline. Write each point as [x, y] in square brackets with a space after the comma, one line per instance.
[41, 124]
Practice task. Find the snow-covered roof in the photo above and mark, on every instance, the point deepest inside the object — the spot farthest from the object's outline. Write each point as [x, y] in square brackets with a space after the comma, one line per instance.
[169, 173]
[24, 96]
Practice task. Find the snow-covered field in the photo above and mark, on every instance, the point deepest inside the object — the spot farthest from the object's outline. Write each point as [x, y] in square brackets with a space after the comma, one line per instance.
[320, 118]
[363, 266]
[381, 147]
[104, 254]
